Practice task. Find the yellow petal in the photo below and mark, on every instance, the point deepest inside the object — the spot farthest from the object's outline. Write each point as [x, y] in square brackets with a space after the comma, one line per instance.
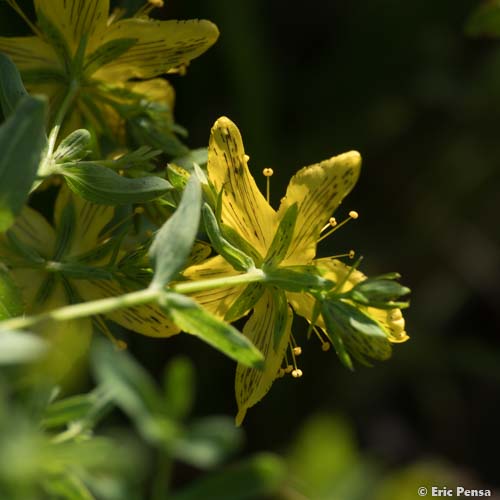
[391, 320]
[75, 18]
[147, 319]
[161, 46]
[216, 300]
[269, 329]
[244, 208]
[318, 190]
[157, 90]
[30, 53]
[90, 219]
[32, 229]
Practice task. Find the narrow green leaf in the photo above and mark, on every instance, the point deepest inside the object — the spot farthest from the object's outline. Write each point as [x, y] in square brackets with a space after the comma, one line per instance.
[11, 301]
[245, 302]
[255, 478]
[86, 409]
[363, 337]
[131, 387]
[283, 237]
[334, 328]
[298, 278]
[178, 383]
[11, 85]
[20, 347]
[198, 156]
[193, 319]
[236, 257]
[74, 147]
[103, 186]
[22, 139]
[173, 242]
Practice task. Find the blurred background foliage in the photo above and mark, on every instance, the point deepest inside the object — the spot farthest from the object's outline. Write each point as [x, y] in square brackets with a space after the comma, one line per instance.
[404, 85]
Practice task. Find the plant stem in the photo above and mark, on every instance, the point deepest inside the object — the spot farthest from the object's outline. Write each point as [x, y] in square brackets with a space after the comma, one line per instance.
[103, 306]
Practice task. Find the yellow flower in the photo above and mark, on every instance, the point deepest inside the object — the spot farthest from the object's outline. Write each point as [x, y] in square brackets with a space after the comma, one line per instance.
[74, 43]
[72, 261]
[316, 191]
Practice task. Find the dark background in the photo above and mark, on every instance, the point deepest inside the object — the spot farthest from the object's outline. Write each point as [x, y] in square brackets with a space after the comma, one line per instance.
[403, 84]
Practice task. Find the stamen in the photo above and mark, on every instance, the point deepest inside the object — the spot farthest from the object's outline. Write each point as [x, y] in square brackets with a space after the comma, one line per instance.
[332, 222]
[19, 11]
[352, 215]
[268, 172]
[297, 373]
[351, 254]
[103, 327]
[325, 346]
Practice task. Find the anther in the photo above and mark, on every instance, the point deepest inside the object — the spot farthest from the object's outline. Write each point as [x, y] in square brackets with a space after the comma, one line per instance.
[325, 346]
[297, 373]
[332, 222]
[352, 215]
[289, 369]
[352, 253]
[138, 210]
[247, 158]
[297, 351]
[268, 172]
[121, 172]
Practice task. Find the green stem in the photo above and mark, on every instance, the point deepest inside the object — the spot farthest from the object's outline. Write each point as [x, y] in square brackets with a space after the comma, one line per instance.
[103, 306]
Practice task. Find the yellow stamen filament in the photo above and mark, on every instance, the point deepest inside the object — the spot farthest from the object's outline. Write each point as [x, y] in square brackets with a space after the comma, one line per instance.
[325, 346]
[19, 11]
[350, 254]
[268, 172]
[103, 327]
[352, 215]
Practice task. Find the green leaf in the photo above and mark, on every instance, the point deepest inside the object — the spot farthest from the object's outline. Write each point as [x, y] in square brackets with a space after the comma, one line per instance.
[193, 319]
[283, 237]
[208, 442]
[22, 139]
[11, 301]
[236, 257]
[20, 347]
[178, 383]
[173, 242]
[131, 387]
[298, 278]
[255, 478]
[363, 337]
[85, 409]
[245, 302]
[74, 147]
[11, 85]
[103, 186]
[379, 293]
[485, 20]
